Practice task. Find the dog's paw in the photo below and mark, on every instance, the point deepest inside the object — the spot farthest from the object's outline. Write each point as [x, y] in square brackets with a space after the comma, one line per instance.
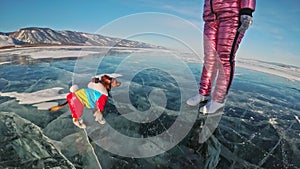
[79, 123]
[102, 121]
[82, 126]
[98, 117]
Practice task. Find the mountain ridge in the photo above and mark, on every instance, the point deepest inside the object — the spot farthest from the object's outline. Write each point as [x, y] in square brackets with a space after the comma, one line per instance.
[36, 36]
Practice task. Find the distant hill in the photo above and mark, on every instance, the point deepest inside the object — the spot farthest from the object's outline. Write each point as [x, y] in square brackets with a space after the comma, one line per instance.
[34, 36]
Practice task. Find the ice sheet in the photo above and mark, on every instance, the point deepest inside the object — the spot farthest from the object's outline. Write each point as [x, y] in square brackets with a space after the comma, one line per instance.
[260, 128]
[113, 75]
[37, 97]
[289, 72]
[45, 105]
[67, 51]
[3, 63]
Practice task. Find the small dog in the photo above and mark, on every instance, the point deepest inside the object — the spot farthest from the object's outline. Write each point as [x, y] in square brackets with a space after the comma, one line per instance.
[94, 96]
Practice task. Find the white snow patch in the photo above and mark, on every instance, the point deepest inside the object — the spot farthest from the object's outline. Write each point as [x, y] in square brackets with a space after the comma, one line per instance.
[5, 40]
[3, 63]
[37, 97]
[289, 72]
[260, 111]
[45, 105]
[273, 121]
[297, 118]
[67, 51]
[113, 75]
[59, 54]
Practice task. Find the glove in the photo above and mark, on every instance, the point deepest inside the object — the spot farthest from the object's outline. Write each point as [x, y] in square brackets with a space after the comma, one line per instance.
[246, 22]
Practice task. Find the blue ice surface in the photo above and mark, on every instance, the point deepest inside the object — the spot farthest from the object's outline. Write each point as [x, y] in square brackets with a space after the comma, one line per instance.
[277, 91]
[253, 100]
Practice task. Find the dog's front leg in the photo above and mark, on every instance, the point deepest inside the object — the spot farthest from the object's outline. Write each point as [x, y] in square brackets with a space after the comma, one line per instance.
[99, 117]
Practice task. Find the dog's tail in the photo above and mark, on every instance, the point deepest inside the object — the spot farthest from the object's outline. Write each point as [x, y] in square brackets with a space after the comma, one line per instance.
[55, 108]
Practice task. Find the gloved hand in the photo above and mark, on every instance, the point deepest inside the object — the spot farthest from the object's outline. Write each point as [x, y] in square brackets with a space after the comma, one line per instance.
[246, 21]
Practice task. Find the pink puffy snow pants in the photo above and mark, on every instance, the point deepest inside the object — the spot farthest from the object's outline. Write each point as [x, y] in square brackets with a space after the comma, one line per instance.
[221, 41]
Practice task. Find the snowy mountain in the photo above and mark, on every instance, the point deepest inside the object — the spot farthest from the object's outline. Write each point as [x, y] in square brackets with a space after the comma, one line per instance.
[5, 40]
[34, 36]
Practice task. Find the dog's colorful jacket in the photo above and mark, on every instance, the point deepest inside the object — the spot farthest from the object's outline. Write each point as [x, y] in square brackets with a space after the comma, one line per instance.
[93, 96]
[221, 41]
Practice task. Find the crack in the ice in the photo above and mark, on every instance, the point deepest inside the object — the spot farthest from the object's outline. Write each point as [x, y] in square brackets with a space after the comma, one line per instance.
[93, 151]
[281, 134]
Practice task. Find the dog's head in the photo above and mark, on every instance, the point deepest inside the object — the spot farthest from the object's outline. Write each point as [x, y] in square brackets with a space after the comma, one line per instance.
[107, 81]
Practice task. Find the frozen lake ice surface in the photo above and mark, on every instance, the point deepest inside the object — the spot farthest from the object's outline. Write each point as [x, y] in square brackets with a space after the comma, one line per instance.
[148, 123]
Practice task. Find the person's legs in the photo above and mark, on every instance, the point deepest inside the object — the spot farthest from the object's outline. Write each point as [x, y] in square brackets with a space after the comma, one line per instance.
[228, 41]
[209, 71]
[210, 57]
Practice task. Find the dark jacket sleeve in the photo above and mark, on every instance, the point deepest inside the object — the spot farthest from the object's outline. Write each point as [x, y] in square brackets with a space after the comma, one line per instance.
[250, 4]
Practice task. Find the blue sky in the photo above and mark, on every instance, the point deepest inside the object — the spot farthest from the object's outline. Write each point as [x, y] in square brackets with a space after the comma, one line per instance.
[274, 35]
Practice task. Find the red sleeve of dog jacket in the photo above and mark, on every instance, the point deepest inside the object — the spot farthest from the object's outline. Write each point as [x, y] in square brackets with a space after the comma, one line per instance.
[101, 102]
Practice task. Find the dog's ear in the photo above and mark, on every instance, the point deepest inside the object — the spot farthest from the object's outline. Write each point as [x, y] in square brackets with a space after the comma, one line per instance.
[106, 81]
[95, 80]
